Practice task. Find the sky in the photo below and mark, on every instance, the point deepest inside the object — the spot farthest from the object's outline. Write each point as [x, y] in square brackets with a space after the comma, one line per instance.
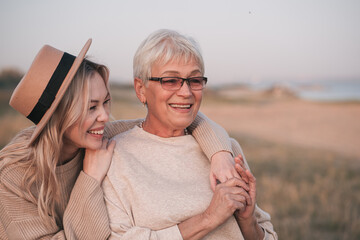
[241, 40]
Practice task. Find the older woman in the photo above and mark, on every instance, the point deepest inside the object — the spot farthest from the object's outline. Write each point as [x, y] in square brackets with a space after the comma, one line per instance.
[157, 185]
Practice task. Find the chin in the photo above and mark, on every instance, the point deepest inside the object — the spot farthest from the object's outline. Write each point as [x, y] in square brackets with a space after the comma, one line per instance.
[181, 124]
[94, 146]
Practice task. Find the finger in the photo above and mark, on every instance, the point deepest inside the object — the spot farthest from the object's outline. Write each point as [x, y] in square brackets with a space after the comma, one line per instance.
[251, 177]
[241, 192]
[104, 143]
[242, 172]
[111, 146]
[252, 185]
[240, 160]
[239, 198]
[240, 206]
[233, 173]
[213, 182]
[222, 178]
[235, 182]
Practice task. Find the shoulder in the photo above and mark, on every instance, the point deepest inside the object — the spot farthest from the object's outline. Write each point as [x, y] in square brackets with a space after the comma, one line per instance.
[124, 135]
[125, 142]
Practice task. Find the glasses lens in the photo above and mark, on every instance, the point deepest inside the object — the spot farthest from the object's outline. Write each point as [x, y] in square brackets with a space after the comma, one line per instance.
[197, 83]
[171, 83]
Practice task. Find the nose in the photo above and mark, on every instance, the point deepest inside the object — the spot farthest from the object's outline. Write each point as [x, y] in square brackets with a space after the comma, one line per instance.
[185, 90]
[103, 115]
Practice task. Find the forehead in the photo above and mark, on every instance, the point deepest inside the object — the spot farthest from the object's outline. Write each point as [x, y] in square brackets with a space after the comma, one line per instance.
[180, 65]
[98, 89]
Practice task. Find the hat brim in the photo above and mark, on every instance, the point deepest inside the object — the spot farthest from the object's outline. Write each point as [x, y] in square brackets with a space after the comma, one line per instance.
[64, 86]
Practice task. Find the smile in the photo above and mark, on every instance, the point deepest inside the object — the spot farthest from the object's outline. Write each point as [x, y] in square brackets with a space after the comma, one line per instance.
[98, 132]
[181, 106]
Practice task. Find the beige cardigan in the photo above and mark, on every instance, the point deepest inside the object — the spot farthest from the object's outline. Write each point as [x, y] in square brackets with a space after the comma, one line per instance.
[155, 183]
[83, 213]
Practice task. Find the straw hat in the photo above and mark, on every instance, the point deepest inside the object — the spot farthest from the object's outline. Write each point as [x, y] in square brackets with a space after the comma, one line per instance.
[43, 86]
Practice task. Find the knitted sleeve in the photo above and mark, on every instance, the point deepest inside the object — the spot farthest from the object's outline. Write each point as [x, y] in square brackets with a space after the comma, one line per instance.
[122, 225]
[85, 216]
[211, 137]
[116, 127]
[19, 218]
[263, 218]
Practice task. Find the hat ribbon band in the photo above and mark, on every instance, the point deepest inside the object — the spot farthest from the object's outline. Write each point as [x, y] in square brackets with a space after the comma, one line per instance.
[53, 86]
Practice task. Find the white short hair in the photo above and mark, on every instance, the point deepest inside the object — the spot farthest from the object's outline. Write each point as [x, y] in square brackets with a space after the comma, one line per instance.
[163, 46]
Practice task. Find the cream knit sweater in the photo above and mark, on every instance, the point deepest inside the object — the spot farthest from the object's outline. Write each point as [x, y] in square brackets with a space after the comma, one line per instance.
[83, 213]
[155, 183]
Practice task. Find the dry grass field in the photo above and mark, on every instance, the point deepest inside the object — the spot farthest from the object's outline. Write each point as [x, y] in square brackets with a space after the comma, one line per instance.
[305, 156]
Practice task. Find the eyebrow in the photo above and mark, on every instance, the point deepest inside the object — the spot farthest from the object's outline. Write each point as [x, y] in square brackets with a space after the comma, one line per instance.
[176, 72]
[95, 101]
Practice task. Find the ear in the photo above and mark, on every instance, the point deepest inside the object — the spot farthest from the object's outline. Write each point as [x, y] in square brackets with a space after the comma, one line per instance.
[140, 89]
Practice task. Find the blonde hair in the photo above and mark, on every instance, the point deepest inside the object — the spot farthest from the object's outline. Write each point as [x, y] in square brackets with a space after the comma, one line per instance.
[41, 158]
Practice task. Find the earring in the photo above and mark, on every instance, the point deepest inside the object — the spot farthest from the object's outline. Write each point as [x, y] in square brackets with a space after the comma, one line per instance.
[144, 104]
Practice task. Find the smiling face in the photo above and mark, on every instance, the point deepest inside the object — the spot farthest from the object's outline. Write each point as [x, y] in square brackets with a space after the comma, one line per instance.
[89, 134]
[170, 112]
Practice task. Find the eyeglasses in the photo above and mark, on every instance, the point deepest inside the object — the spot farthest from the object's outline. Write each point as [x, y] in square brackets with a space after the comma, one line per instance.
[175, 83]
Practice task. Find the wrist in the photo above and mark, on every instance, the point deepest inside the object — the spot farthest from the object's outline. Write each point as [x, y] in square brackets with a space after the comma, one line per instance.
[247, 222]
[196, 227]
[220, 155]
[95, 176]
[250, 228]
[207, 221]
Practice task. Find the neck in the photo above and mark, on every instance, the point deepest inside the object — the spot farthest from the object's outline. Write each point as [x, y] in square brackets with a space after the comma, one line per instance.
[67, 153]
[162, 131]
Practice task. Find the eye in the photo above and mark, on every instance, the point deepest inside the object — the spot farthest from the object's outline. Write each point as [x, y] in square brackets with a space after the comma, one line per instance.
[196, 80]
[92, 108]
[170, 80]
[107, 101]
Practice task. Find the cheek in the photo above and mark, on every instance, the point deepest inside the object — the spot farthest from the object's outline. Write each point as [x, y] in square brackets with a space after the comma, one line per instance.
[198, 97]
[72, 134]
[89, 121]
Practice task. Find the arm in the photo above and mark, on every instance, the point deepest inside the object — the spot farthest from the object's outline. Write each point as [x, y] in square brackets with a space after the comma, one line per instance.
[115, 127]
[19, 218]
[253, 222]
[87, 197]
[216, 144]
[85, 216]
[211, 137]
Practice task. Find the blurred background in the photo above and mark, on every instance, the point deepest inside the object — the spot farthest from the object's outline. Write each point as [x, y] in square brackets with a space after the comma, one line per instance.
[284, 80]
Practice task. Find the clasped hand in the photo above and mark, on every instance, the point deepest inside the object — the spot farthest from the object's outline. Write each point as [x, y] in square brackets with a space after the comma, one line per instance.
[234, 196]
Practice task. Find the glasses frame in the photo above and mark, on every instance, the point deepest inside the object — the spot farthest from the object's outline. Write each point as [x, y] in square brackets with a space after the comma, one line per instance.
[187, 80]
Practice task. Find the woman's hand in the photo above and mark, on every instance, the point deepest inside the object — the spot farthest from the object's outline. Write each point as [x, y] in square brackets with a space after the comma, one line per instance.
[246, 219]
[222, 168]
[228, 197]
[97, 162]
[248, 178]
